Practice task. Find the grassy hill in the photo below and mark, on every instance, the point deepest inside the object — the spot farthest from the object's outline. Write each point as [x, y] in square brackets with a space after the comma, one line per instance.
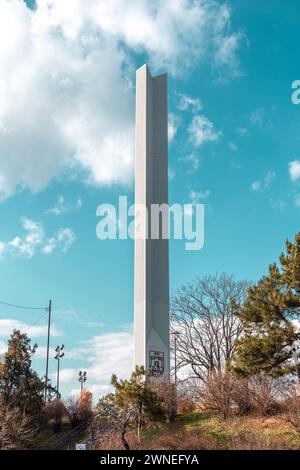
[203, 430]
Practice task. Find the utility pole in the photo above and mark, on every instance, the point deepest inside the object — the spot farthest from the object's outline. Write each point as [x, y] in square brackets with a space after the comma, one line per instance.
[48, 346]
[59, 355]
[82, 379]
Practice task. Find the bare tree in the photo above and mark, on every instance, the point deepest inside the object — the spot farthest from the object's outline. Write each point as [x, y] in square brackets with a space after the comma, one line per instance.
[293, 412]
[55, 411]
[232, 396]
[16, 429]
[73, 411]
[203, 314]
[113, 418]
[218, 393]
[79, 410]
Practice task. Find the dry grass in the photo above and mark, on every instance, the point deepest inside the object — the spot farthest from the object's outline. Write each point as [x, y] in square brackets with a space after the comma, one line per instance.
[205, 430]
[208, 431]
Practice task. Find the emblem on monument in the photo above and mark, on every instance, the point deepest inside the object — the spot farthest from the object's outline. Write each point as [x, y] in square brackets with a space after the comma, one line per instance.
[157, 362]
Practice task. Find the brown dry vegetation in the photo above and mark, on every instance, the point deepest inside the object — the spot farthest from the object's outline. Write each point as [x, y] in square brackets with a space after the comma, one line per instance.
[206, 430]
[257, 413]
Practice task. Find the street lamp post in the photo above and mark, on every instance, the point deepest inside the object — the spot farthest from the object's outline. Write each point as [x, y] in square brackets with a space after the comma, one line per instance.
[175, 335]
[296, 359]
[82, 379]
[59, 355]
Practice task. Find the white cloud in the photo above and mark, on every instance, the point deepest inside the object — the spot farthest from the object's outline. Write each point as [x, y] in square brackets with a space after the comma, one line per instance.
[93, 324]
[34, 240]
[171, 176]
[62, 241]
[294, 170]
[174, 34]
[66, 100]
[42, 351]
[188, 102]
[269, 177]
[97, 390]
[242, 131]
[107, 354]
[8, 325]
[265, 183]
[197, 196]
[173, 123]
[297, 200]
[67, 375]
[257, 117]
[256, 185]
[225, 56]
[194, 161]
[3, 349]
[232, 146]
[202, 130]
[2, 248]
[61, 206]
[27, 244]
[277, 204]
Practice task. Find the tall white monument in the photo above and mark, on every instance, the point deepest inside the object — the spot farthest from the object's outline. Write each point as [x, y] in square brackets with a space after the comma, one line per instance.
[151, 284]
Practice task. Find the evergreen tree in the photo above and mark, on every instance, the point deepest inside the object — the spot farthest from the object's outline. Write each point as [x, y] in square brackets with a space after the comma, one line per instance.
[133, 401]
[137, 393]
[20, 385]
[269, 340]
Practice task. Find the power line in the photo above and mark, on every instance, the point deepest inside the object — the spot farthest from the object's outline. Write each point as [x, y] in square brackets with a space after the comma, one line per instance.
[22, 306]
[36, 321]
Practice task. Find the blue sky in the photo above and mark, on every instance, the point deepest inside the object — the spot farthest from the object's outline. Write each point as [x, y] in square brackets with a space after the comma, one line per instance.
[66, 145]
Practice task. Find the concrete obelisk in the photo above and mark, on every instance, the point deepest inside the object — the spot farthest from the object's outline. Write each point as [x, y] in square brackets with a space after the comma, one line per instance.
[151, 284]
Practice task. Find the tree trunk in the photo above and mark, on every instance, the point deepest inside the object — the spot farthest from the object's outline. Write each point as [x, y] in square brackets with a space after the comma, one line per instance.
[124, 442]
[139, 423]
